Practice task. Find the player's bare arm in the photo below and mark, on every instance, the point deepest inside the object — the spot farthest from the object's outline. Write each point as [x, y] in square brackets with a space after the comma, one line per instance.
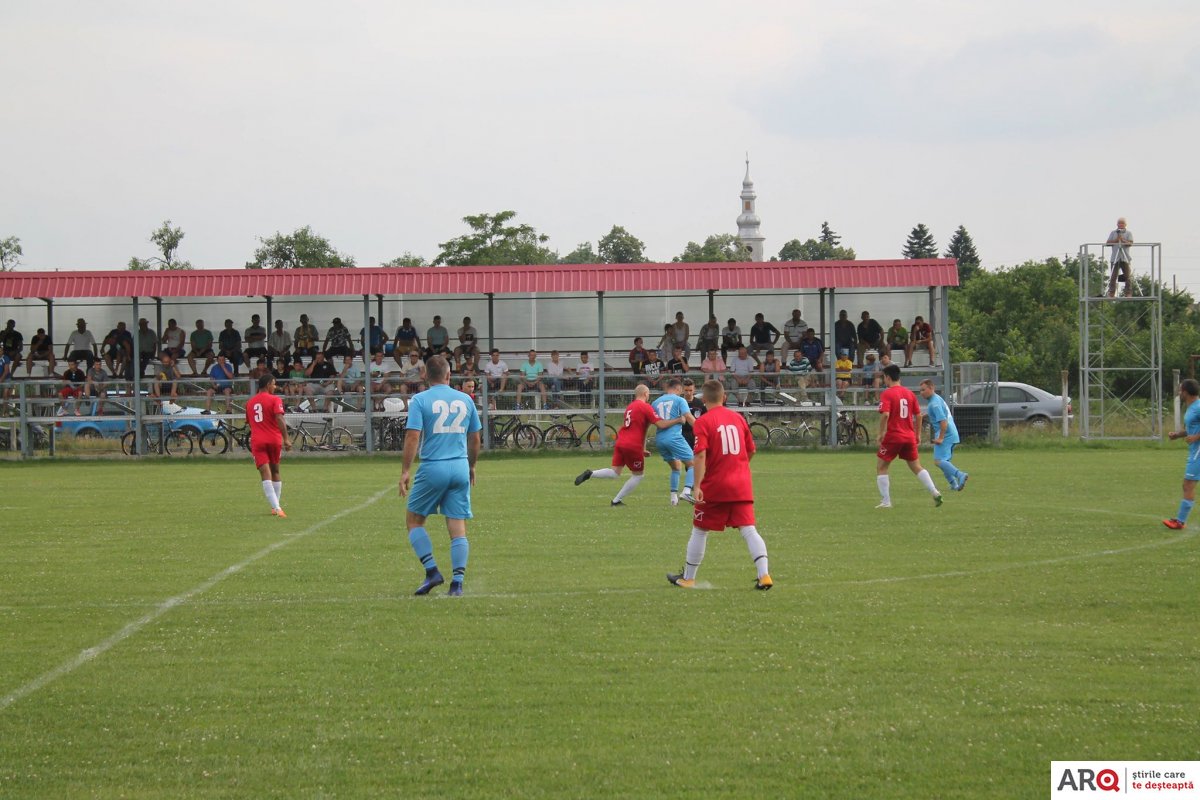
[698, 466]
[473, 441]
[883, 421]
[412, 444]
[283, 431]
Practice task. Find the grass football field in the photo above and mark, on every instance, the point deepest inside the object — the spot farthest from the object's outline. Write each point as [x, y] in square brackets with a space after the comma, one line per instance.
[163, 636]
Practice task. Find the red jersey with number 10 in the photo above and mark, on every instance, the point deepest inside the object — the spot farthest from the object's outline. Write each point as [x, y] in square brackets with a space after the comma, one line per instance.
[639, 415]
[900, 405]
[724, 437]
[263, 413]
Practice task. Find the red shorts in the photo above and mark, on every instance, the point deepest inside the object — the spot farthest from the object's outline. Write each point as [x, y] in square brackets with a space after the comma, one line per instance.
[905, 449]
[719, 516]
[266, 453]
[632, 457]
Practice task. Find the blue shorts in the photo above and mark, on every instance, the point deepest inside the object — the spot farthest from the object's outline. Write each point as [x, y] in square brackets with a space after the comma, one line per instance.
[1192, 471]
[674, 450]
[442, 487]
[943, 451]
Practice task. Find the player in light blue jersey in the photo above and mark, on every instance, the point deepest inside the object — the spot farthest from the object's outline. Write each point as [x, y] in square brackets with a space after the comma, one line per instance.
[671, 445]
[444, 425]
[945, 436]
[1189, 392]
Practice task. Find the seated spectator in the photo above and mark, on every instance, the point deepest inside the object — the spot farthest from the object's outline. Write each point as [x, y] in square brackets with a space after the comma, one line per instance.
[814, 350]
[81, 345]
[531, 377]
[412, 374]
[583, 378]
[763, 336]
[497, 376]
[172, 341]
[72, 388]
[638, 357]
[229, 344]
[7, 365]
[793, 330]
[406, 339]
[843, 372]
[870, 336]
[678, 364]
[118, 351]
[40, 349]
[166, 380]
[741, 374]
[305, 339]
[666, 343]
[468, 342]
[279, 343]
[147, 342]
[380, 387]
[323, 377]
[259, 369]
[653, 370]
[12, 341]
[350, 379]
[713, 367]
[869, 371]
[920, 337]
[337, 341]
[280, 373]
[470, 366]
[709, 337]
[554, 377]
[202, 342]
[96, 380]
[222, 383]
[768, 373]
[896, 338]
[884, 361]
[378, 339]
[256, 339]
[437, 340]
[297, 385]
[683, 336]
[801, 370]
[731, 338]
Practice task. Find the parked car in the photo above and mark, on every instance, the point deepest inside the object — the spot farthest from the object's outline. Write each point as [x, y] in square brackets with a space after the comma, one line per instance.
[116, 419]
[1017, 402]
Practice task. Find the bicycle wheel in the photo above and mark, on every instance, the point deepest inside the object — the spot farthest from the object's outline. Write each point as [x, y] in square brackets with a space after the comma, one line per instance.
[527, 437]
[593, 437]
[179, 443]
[760, 432]
[129, 443]
[860, 434]
[342, 439]
[560, 437]
[777, 437]
[214, 442]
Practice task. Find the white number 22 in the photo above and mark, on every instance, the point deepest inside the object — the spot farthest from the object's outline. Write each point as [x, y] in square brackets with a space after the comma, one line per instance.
[444, 410]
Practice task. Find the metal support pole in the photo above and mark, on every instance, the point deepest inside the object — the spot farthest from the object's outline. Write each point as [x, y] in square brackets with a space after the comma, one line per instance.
[831, 372]
[368, 431]
[22, 430]
[270, 324]
[379, 311]
[601, 417]
[1066, 423]
[136, 365]
[491, 322]
[49, 323]
[483, 414]
[944, 325]
[1175, 396]
[821, 331]
[712, 310]
[158, 329]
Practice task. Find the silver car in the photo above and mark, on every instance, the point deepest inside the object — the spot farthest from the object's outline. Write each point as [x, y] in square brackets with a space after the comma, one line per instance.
[1018, 402]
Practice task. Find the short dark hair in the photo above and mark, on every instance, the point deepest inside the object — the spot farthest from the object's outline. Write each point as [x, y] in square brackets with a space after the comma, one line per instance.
[892, 371]
[1191, 386]
[673, 383]
[437, 368]
[264, 381]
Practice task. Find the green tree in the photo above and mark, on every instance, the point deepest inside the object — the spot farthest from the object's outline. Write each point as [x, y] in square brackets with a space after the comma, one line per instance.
[716, 248]
[619, 246]
[828, 236]
[10, 253]
[962, 250]
[493, 241]
[920, 244]
[812, 250]
[406, 259]
[167, 240]
[583, 254]
[300, 250]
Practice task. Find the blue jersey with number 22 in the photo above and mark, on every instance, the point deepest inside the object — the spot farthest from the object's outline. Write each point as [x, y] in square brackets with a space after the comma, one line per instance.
[444, 416]
[1191, 423]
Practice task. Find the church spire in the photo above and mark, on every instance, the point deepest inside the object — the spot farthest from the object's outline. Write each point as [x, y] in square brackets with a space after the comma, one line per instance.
[748, 221]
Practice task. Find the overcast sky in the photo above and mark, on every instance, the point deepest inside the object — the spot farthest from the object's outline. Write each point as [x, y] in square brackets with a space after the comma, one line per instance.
[381, 124]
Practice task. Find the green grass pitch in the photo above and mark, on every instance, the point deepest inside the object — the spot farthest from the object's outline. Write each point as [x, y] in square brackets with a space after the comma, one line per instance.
[163, 636]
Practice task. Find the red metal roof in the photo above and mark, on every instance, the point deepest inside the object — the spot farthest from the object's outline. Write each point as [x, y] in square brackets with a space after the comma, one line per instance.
[561, 278]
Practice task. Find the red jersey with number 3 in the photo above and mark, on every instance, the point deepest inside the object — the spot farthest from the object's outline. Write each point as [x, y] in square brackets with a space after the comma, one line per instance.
[900, 405]
[263, 413]
[724, 438]
[639, 415]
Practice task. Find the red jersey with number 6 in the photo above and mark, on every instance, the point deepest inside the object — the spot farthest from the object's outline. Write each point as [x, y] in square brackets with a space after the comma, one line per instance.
[900, 405]
[724, 438]
[263, 413]
[639, 415]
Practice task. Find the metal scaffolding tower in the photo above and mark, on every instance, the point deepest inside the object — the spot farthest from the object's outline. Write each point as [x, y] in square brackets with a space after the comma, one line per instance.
[1120, 347]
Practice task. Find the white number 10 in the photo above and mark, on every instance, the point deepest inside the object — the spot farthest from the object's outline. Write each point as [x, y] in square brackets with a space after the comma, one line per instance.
[731, 439]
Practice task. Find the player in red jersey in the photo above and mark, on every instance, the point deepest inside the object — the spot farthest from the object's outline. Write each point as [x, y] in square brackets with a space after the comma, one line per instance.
[268, 435]
[630, 450]
[900, 419]
[724, 493]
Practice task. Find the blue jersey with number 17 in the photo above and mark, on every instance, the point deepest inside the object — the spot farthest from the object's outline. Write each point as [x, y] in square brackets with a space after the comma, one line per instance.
[668, 407]
[444, 416]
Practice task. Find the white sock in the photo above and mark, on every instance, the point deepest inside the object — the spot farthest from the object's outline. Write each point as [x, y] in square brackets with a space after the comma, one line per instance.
[629, 486]
[278, 490]
[607, 472]
[757, 548]
[885, 488]
[927, 482]
[695, 553]
[269, 491]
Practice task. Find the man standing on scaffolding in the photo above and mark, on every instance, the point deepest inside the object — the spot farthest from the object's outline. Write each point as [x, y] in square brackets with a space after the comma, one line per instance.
[1120, 239]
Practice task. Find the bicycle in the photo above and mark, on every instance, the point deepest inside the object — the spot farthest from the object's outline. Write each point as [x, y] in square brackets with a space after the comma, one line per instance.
[795, 432]
[221, 439]
[850, 431]
[511, 431]
[176, 442]
[329, 438]
[563, 435]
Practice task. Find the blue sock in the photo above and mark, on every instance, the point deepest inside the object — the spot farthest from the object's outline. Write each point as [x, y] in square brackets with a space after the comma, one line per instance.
[459, 551]
[1185, 508]
[419, 539]
[674, 480]
[950, 471]
[689, 478]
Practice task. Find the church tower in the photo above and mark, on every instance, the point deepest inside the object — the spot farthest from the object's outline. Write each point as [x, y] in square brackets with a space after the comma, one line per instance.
[748, 221]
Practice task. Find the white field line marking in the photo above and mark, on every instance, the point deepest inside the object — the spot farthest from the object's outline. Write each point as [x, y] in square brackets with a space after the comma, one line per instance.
[72, 664]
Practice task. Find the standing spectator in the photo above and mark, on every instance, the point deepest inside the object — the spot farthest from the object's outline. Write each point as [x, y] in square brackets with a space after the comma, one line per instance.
[304, 340]
[845, 336]
[337, 340]
[437, 339]
[201, 341]
[324, 378]
[12, 342]
[920, 336]
[412, 374]
[96, 380]
[814, 349]
[741, 370]
[468, 342]
[678, 364]
[638, 357]
[1120, 239]
[147, 345]
[731, 338]
[256, 338]
[166, 380]
[870, 336]
[279, 345]
[713, 367]
[763, 336]
[583, 378]
[531, 377]
[81, 345]
[40, 349]
[222, 383]
[497, 376]
[118, 353]
[229, 344]
[682, 335]
[554, 377]
[378, 339]
[899, 421]
[666, 344]
[793, 330]
[172, 341]
[709, 337]
[896, 339]
[268, 437]
[406, 339]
